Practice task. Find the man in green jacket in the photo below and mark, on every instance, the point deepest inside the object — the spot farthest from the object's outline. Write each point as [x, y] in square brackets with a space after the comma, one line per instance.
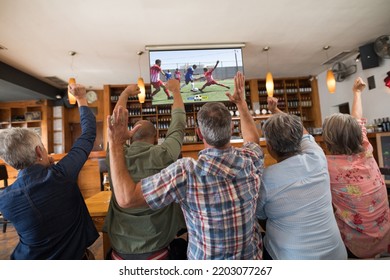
[143, 233]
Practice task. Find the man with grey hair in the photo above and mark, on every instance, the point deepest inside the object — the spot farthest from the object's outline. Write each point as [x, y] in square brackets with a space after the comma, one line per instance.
[45, 204]
[217, 193]
[295, 202]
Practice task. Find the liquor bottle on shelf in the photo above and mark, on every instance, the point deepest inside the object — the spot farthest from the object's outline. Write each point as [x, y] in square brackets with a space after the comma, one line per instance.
[106, 183]
[379, 125]
[386, 124]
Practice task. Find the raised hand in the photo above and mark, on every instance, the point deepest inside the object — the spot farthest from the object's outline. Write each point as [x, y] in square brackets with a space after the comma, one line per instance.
[117, 124]
[77, 90]
[173, 85]
[272, 104]
[359, 85]
[132, 90]
[238, 96]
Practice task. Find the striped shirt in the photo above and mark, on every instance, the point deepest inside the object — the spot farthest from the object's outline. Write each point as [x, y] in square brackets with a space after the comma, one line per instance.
[155, 71]
[218, 194]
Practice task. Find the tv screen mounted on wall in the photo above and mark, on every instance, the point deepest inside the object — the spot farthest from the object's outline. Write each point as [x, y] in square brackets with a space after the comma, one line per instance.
[205, 74]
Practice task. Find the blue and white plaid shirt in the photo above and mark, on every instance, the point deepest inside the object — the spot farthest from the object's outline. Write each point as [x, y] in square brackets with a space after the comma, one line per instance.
[218, 194]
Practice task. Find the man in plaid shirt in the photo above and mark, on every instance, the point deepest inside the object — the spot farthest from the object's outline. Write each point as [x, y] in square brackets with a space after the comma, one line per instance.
[218, 192]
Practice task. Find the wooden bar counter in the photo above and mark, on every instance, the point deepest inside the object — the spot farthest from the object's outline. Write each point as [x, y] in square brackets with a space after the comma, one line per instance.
[98, 207]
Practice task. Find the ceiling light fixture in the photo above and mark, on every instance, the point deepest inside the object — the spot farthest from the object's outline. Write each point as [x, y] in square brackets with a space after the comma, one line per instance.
[140, 82]
[72, 80]
[269, 81]
[330, 79]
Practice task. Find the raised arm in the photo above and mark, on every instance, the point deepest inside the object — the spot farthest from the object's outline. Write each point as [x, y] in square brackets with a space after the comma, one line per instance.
[127, 192]
[357, 108]
[216, 64]
[72, 163]
[248, 126]
[130, 90]
[175, 134]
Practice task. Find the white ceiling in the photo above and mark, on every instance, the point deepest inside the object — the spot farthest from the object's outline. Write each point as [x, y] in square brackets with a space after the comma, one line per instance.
[107, 34]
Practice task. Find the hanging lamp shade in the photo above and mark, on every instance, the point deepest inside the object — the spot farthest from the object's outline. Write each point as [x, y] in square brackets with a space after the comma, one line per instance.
[330, 81]
[71, 98]
[269, 84]
[141, 85]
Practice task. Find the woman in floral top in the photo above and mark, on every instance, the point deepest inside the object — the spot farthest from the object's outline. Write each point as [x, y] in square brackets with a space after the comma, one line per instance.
[359, 194]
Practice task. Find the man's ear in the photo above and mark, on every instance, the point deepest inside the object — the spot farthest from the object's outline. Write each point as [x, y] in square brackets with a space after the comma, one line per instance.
[39, 152]
[271, 152]
[197, 130]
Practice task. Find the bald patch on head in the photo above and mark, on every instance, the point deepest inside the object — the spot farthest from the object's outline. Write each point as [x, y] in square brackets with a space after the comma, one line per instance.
[146, 133]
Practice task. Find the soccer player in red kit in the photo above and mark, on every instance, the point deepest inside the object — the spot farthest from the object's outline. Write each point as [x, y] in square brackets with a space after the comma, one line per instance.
[177, 74]
[155, 71]
[208, 74]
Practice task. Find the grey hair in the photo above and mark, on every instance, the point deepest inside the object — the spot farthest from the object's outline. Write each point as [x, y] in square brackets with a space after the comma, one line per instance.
[17, 147]
[283, 132]
[214, 122]
[342, 134]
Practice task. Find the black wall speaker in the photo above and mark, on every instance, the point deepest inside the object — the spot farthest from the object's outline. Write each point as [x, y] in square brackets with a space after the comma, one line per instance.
[368, 56]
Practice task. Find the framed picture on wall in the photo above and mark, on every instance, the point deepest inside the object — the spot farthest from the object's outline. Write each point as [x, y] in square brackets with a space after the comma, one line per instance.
[33, 116]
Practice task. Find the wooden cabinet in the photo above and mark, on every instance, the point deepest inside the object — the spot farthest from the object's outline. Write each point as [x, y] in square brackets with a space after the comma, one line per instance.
[35, 115]
[297, 96]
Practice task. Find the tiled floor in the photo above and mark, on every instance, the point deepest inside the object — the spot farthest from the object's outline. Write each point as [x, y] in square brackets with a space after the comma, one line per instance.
[9, 239]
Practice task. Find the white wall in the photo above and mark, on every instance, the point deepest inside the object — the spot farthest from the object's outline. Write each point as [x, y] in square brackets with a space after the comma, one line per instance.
[376, 102]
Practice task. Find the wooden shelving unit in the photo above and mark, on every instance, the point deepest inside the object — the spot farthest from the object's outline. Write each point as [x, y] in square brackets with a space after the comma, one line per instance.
[297, 96]
[34, 114]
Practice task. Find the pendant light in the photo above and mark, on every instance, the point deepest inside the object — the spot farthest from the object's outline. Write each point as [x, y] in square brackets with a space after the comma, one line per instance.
[71, 98]
[330, 79]
[140, 82]
[72, 80]
[269, 81]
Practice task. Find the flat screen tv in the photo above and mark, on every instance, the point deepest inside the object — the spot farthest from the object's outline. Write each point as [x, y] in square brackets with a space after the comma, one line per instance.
[205, 74]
